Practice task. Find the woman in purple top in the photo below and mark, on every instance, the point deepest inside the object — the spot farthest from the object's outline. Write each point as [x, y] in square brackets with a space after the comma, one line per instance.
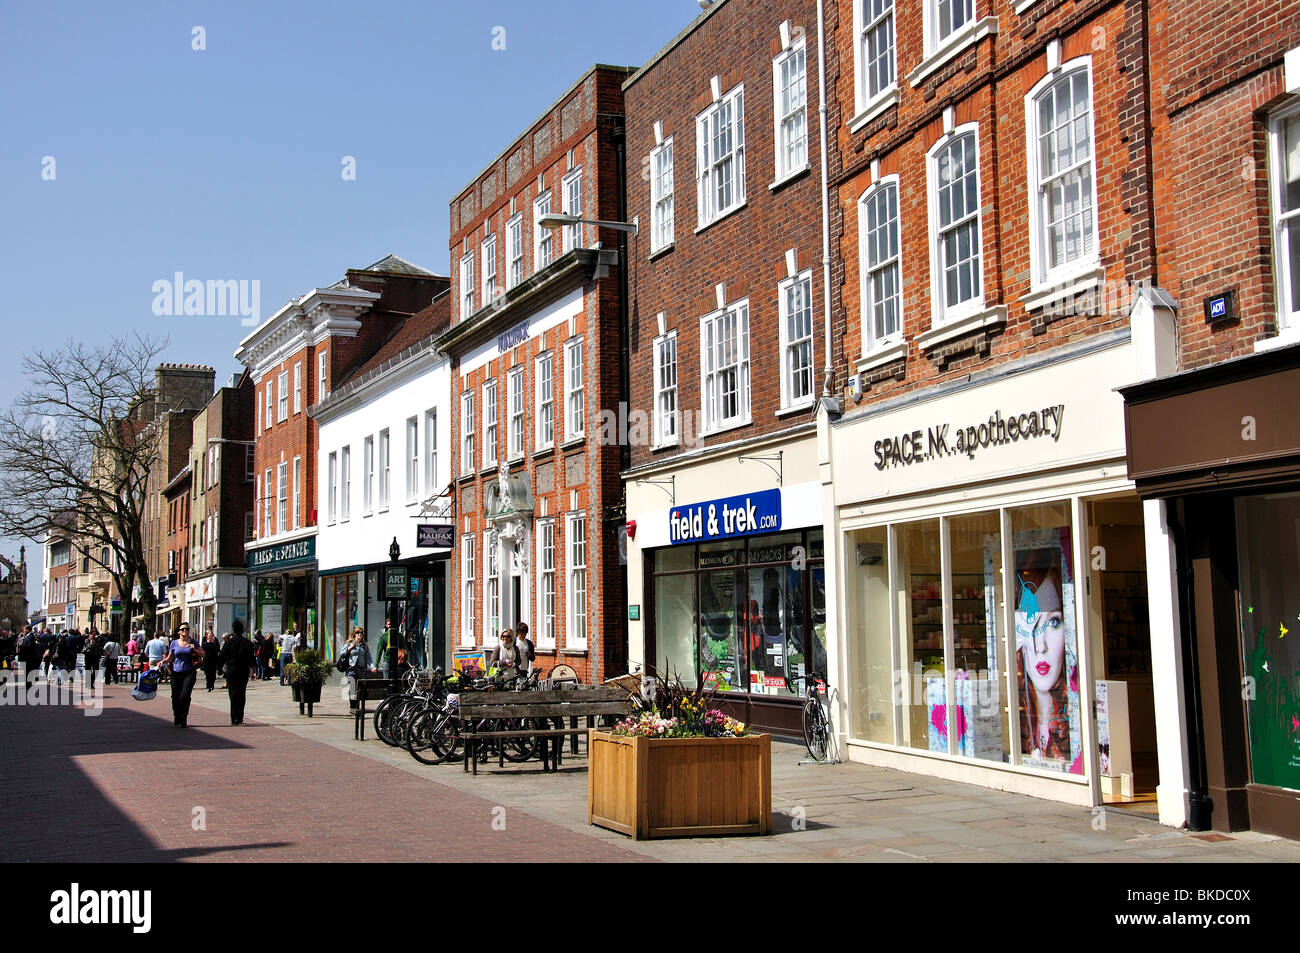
[184, 657]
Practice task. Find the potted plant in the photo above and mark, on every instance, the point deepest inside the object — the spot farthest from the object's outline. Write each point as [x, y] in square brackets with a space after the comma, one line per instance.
[679, 767]
[307, 673]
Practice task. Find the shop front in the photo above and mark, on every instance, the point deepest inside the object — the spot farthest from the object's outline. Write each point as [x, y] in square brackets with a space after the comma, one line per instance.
[281, 588]
[213, 602]
[730, 592]
[991, 582]
[355, 596]
[1219, 447]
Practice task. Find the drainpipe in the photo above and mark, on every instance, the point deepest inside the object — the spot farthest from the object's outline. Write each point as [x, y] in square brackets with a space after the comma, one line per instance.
[827, 373]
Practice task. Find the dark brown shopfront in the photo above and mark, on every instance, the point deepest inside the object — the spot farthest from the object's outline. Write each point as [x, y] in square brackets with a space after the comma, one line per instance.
[1221, 445]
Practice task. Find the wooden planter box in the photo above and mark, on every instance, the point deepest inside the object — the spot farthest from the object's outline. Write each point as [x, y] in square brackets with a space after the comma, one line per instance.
[680, 787]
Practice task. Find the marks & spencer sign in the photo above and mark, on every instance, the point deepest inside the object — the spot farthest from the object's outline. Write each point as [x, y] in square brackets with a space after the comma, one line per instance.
[732, 516]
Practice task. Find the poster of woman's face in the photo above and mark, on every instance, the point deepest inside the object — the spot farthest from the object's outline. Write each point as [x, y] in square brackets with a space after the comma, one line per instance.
[1046, 656]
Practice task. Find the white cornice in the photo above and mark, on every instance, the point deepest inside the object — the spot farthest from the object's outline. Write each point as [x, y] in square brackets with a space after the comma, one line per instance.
[304, 321]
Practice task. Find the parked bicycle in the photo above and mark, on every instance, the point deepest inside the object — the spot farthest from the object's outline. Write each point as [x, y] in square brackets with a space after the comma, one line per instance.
[816, 726]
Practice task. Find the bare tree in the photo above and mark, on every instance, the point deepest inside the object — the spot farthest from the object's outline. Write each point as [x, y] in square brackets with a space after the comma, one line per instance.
[83, 439]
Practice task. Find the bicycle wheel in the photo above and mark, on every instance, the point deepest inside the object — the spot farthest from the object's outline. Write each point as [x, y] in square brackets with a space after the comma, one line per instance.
[433, 737]
[816, 730]
[383, 718]
[518, 750]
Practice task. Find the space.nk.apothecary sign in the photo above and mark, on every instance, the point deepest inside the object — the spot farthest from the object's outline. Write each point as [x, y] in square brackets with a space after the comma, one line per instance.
[725, 518]
[968, 439]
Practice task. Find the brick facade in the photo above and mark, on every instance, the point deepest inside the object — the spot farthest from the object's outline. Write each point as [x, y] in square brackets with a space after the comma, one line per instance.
[745, 250]
[569, 476]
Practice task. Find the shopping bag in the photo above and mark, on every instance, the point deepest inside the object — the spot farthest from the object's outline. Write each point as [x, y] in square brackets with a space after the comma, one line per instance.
[147, 687]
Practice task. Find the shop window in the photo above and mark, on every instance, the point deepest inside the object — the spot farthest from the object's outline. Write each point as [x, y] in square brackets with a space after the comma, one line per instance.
[871, 713]
[924, 692]
[978, 637]
[674, 604]
[720, 617]
[1268, 559]
[774, 628]
[1047, 655]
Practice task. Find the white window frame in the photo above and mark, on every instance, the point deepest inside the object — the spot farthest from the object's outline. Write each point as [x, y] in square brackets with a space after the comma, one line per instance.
[297, 492]
[385, 469]
[515, 414]
[281, 497]
[867, 24]
[710, 371]
[577, 584]
[491, 593]
[489, 252]
[345, 484]
[467, 594]
[666, 417]
[491, 413]
[266, 503]
[297, 387]
[282, 385]
[249, 466]
[466, 285]
[270, 403]
[546, 580]
[941, 312]
[786, 125]
[575, 407]
[333, 487]
[571, 197]
[882, 188]
[250, 527]
[1044, 275]
[412, 459]
[257, 400]
[430, 451]
[515, 250]
[935, 39]
[321, 379]
[1283, 221]
[467, 432]
[710, 166]
[789, 346]
[543, 238]
[544, 384]
[368, 475]
[661, 196]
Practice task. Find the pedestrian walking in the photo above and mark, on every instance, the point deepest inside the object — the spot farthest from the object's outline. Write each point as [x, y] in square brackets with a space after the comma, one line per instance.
[48, 643]
[183, 657]
[29, 654]
[357, 654]
[288, 644]
[94, 655]
[261, 648]
[211, 658]
[237, 660]
[111, 651]
[154, 650]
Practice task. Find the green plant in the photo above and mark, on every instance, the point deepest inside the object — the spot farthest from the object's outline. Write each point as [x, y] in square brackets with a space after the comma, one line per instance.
[308, 668]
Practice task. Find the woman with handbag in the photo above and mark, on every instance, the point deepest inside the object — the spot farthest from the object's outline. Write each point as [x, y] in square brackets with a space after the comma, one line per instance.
[354, 660]
[183, 657]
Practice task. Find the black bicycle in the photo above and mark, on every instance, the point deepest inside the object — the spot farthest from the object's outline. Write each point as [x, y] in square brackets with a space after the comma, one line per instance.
[816, 726]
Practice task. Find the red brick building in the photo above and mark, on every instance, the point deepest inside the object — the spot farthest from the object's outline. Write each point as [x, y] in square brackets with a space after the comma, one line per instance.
[294, 359]
[994, 243]
[1212, 430]
[221, 520]
[727, 351]
[535, 348]
[177, 506]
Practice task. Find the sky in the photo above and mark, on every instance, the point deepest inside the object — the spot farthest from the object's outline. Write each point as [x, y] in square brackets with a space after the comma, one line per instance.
[141, 139]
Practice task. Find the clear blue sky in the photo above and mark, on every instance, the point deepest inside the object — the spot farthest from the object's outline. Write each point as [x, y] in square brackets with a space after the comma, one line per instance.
[226, 163]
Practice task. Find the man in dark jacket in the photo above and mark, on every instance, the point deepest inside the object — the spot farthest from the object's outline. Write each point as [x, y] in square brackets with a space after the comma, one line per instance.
[94, 655]
[237, 660]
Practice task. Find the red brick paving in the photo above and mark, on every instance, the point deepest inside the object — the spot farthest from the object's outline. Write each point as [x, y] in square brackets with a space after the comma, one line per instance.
[124, 785]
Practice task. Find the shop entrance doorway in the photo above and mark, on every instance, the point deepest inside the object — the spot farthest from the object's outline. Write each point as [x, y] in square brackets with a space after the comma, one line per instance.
[1121, 654]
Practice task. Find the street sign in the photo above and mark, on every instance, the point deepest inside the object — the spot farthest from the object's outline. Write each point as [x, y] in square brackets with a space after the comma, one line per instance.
[397, 580]
[434, 535]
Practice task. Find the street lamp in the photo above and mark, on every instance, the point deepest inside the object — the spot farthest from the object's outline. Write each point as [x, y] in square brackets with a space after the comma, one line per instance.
[559, 220]
[394, 554]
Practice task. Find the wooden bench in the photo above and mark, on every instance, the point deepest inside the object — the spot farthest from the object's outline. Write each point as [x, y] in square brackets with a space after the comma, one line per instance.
[553, 707]
[368, 689]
